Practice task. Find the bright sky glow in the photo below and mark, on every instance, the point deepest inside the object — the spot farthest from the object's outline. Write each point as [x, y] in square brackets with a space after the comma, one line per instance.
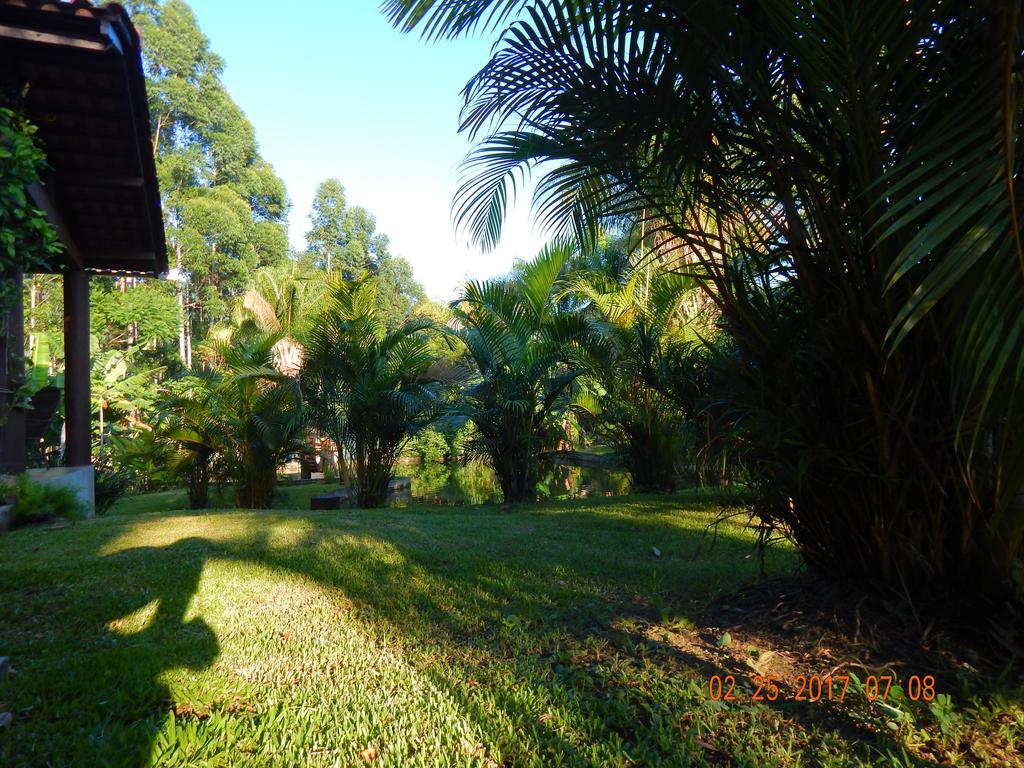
[333, 90]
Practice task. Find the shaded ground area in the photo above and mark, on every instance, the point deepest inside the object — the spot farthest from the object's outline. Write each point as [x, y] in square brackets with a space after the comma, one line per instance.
[552, 635]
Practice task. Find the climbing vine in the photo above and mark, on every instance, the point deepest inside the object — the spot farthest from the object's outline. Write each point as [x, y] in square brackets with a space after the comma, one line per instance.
[26, 238]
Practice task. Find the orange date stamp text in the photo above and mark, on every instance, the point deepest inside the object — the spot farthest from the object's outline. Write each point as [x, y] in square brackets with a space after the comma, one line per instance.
[821, 687]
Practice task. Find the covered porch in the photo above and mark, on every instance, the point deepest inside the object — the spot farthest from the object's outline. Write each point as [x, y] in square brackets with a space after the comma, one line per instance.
[75, 71]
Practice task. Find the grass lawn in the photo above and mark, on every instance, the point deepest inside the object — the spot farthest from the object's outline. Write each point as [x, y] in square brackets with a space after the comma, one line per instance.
[286, 496]
[542, 636]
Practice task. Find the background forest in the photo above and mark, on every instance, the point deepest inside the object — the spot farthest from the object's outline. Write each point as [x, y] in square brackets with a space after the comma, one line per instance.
[225, 212]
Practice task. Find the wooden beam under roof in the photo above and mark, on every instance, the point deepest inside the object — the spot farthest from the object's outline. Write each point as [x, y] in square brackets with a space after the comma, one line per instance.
[84, 179]
[42, 200]
[51, 38]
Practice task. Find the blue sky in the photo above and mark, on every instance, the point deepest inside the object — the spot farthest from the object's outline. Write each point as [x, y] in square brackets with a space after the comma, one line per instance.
[333, 90]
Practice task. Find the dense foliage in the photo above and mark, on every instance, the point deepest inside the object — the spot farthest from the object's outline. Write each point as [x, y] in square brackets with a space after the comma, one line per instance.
[37, 502]
[640, 332]
[242, 410]
[841, 179]
[26, 238]
[368, 387]
[525, 353]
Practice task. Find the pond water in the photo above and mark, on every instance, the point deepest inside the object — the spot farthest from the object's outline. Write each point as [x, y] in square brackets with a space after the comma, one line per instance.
[475, 483]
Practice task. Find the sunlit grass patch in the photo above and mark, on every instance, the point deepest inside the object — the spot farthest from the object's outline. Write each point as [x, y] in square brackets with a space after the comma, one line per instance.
[546, 635]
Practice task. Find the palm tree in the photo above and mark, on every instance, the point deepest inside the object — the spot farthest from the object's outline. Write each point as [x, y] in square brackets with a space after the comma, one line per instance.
[526, 354]
[367, 387]
[281, 298]
[242, 411]
[189, 424]
[841, 177]
[641, 332]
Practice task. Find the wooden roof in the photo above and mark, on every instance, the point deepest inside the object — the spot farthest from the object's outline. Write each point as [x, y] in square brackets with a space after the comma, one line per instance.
[75, 70]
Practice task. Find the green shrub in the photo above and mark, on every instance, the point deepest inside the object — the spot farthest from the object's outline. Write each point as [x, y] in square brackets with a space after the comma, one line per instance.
[110, 486]
[36, 502]
[142, 459]
[430, 446]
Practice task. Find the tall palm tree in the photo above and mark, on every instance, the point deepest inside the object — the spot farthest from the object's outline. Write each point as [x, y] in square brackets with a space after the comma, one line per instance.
[526, 354]
[367, 387]
[843, 178]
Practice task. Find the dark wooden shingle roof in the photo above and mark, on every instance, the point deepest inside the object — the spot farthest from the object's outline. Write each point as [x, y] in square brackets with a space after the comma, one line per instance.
[75, 70]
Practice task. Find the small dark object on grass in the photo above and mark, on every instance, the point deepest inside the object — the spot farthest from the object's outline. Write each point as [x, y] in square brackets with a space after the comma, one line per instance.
[337, 499]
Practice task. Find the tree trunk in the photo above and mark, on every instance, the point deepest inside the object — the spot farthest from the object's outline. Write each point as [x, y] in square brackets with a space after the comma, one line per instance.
[199, 484]
[651, 456]
[257, 490]
[516, 478]
[181, 306]
[372, 477]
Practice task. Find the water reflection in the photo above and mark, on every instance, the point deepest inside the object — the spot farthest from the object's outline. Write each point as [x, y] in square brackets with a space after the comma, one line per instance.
[475, 483]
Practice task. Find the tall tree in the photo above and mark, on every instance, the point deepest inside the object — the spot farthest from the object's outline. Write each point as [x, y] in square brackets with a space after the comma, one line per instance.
[341, 236]
[326, 238]
[224, 204]
[398, 290]
[345, 238]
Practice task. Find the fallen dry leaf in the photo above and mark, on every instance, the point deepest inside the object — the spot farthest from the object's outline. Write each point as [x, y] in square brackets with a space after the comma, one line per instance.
[187, 710]
[368, 755]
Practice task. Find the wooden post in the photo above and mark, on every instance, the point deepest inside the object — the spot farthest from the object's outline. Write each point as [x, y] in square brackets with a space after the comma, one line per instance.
[77, 370]
[12, 373]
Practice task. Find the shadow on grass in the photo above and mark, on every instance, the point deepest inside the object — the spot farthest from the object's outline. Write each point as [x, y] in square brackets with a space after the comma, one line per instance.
[98, 699]
[522, 600]
[572, 642]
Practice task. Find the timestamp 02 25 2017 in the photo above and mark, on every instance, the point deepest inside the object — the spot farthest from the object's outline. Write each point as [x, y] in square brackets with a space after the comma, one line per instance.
[821, 687]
